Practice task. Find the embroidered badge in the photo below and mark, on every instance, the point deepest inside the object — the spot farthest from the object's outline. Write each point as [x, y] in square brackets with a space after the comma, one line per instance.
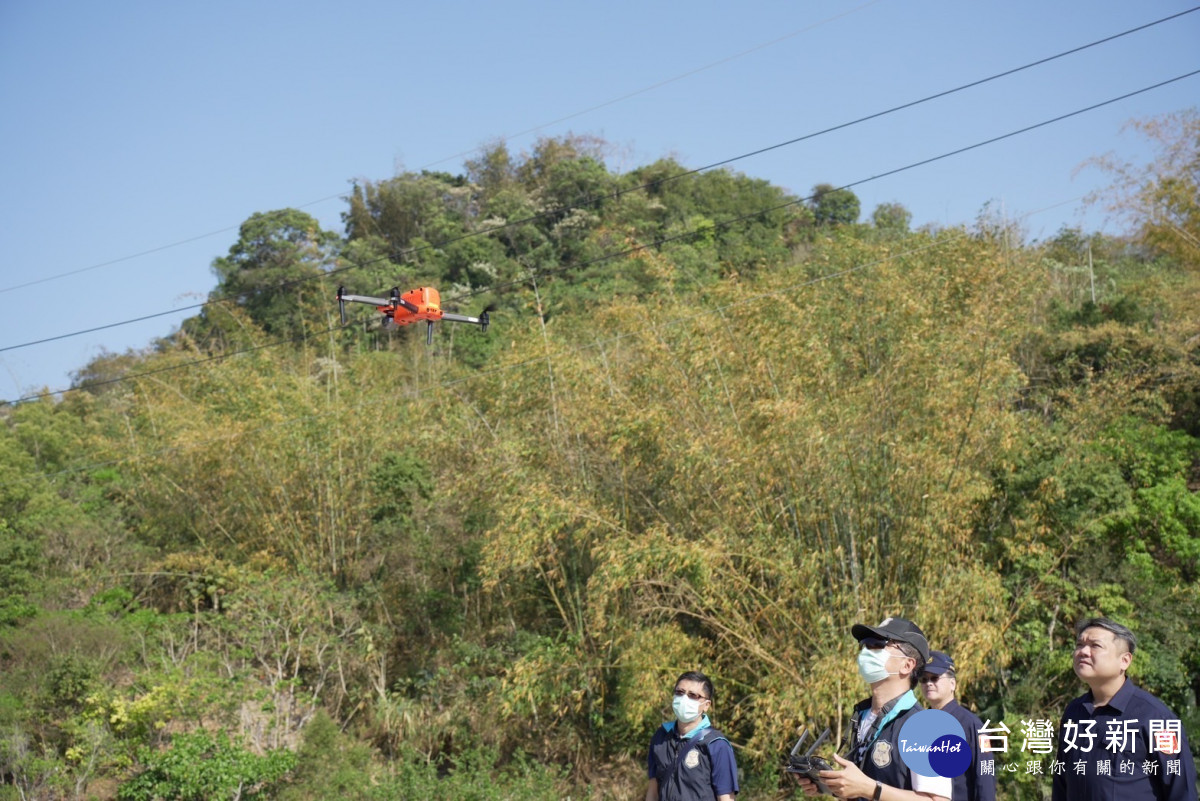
[692, 759]
[882, 755]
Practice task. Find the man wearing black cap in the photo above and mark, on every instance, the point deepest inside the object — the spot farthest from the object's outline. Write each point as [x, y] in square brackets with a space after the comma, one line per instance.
[891, 657]
[938, 684]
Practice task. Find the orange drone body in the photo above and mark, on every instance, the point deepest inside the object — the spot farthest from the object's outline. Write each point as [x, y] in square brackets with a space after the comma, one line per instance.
[426, 301]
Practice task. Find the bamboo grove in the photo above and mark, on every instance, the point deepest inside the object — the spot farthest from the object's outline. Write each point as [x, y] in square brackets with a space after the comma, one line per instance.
[711, 427]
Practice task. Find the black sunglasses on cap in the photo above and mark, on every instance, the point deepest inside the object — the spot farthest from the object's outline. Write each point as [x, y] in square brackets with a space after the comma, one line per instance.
[874, 643]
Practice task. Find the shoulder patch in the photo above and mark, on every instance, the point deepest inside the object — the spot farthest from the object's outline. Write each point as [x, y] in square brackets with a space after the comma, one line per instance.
[881, 755]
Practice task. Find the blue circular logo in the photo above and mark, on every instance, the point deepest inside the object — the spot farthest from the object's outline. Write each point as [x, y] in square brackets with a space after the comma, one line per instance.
[933, 743]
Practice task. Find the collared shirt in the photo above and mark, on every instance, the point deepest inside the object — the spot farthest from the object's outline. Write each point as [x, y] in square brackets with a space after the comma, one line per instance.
[866, 729]
[1122, 751]
[701, 726]
[978, 783]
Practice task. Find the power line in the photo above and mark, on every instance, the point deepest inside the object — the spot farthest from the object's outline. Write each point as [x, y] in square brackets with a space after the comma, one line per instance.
[590, 200]
[913, 165]
[104, 327]
[538, 360]
[667, 240]
[534, 129]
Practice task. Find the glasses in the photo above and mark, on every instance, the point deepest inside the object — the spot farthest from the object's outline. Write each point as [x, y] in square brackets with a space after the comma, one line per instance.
[690, 694]
[930, 678]
[875, 643]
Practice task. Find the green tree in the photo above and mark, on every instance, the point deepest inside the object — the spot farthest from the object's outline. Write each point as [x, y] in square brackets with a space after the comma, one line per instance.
[61, 519]
[1097, 523]
[270, 272]
[831, 206]
[494, 170]
[406, 220]
[205, 767]
[891, 218]
[19, 558]
[330, 764]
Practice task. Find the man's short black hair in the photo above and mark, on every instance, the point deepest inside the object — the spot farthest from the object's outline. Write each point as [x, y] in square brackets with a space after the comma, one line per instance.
[695, 675]
[1119, 632]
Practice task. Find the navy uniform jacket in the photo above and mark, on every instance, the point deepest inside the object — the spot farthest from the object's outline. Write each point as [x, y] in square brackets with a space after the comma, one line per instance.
[878, 755]
[1127, 766]
[700, 772]
[975, 784]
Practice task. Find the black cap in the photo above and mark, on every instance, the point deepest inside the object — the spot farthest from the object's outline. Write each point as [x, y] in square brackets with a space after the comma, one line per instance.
[939, 663]
[895, 628]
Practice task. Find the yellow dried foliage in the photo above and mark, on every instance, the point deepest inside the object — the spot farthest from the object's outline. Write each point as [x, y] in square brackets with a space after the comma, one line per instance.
[748, 481]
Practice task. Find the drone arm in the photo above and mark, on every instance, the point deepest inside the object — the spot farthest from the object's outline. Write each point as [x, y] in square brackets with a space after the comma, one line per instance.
[462, 318]
[342, 297]
[366, 299]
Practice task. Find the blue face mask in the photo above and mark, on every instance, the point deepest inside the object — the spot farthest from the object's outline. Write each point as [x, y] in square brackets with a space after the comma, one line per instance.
[872, 665]
[686, 709]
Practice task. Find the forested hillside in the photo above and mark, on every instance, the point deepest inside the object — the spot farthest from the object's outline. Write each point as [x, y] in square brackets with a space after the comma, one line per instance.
[711, 426]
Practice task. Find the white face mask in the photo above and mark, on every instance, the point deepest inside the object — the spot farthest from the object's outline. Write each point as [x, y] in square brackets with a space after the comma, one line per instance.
[686, 709]
[872, 665]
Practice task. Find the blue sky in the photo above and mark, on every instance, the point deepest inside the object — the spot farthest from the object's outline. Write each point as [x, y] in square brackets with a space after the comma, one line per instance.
[136, 137]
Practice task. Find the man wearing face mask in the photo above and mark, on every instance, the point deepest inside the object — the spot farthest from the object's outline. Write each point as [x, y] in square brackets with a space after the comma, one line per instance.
[890, 658]
[689, 760]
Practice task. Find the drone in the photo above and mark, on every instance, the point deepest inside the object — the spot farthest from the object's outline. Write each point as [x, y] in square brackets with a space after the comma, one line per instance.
[422, 303]
[807, 763]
